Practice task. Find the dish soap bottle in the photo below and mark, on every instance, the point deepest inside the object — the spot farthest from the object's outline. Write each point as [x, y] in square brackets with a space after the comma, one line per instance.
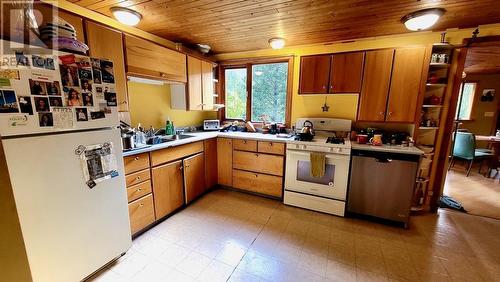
[169, 127]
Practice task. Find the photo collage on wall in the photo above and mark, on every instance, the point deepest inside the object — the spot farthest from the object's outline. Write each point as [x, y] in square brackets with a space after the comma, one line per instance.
[81, 90]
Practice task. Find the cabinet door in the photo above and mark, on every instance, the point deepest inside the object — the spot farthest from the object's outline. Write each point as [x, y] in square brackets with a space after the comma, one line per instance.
[168, 189]
[194, 176]
[194, 84]
[314, 74]
[107, 43]
[145, 58]
[210, 162]
[375, 88]
[346, 72]
[208, 85]
[405, 84]
[225, 161]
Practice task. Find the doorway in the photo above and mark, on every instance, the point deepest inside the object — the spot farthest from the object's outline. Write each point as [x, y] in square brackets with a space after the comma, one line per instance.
[472, 170]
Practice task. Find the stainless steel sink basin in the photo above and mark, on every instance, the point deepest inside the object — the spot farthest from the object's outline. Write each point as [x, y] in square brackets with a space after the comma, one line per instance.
[166, 138]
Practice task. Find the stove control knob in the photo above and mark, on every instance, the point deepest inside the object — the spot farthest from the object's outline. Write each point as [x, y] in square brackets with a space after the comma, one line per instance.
[304, 147]
[296, 146]
[339, 150]
[330, 149]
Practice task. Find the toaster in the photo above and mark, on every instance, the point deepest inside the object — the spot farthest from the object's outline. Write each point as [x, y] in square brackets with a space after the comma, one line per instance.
[211, 124]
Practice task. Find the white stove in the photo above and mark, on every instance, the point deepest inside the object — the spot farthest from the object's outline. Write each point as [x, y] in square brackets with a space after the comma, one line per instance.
[327, 193]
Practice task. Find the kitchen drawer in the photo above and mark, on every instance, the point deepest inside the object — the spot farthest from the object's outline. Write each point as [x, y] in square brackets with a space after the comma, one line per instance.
[175, 153]
[271, 147]
[136, 162]
[141, 213]
[257, 162]
[138, 190]
[258, 183]
[137, 177]
[245, 145]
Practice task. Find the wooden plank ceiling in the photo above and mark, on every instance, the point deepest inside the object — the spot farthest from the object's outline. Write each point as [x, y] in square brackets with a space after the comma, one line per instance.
[483, 59]
[236, 25]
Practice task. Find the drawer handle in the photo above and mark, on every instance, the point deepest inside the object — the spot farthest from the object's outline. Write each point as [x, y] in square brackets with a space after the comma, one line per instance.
[256, 175]
[270, 143]
[256, 155]
[138, 178]
[136, 158]
[244, 141]
[139, 190]
[141, 204]
[181, 168]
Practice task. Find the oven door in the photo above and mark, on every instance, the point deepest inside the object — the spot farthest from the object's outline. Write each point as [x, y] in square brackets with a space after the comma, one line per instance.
[332, 185]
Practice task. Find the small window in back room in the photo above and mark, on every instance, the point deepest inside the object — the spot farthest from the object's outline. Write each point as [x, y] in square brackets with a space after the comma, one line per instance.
[466, 101]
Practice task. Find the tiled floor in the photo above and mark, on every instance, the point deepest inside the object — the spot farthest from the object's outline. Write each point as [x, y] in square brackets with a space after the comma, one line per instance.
[230, 236]
[479, 195]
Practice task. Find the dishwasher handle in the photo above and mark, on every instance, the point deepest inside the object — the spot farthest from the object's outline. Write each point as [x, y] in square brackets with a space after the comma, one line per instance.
[383, 160]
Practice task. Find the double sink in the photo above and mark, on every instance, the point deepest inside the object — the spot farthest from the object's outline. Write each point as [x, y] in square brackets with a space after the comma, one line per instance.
[160, 139]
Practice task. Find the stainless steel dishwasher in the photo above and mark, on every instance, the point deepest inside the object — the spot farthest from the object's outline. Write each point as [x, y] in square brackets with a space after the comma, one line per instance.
[381, 184]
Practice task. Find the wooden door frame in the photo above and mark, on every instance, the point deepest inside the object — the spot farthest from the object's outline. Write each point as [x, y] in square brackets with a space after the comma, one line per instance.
[445, 145]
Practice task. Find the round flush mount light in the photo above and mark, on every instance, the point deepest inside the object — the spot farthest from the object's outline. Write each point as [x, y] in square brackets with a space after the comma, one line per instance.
[277, 43]
[204, 48]
[126, 16]
[422, 19]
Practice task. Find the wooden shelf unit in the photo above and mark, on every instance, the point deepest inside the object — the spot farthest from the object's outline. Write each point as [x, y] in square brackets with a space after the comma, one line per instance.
[427, 135]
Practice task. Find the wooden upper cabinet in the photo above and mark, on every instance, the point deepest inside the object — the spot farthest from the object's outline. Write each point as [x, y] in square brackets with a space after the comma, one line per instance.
[405, 84]
[194, 176]
[207, 85]
[375, 88]
[195, 84]
[145, 58]
[225, 161]
[107, 43]
[168, 188]
[346, 72]
[314, 74]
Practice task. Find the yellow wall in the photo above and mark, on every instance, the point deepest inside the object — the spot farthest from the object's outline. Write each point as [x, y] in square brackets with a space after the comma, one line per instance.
[150, 105]
[345, 106]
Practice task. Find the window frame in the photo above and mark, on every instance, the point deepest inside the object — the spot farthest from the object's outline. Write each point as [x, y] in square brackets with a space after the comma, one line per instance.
[248, 63]
[471, 116]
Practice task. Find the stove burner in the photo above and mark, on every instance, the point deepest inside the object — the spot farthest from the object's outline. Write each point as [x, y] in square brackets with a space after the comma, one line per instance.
[335, 140]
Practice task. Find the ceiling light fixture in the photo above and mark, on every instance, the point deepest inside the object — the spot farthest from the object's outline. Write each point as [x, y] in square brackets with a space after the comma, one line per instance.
[277, 43]
[422, 19]
[126, 16]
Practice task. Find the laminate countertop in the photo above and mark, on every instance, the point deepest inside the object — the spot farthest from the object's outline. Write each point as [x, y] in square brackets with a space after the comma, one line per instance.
[388, 148]
[204, 135]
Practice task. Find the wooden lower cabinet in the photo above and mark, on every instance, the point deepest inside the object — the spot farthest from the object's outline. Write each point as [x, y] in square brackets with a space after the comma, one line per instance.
[136, 191]
[168, 189]
[194, 176]
[258, 183]
[210, 149]
[141, 213]
[225, 161]
[257, 162]
[174, 153]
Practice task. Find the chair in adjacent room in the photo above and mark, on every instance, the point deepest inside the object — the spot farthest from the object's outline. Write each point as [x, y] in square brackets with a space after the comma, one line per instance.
[465, 149]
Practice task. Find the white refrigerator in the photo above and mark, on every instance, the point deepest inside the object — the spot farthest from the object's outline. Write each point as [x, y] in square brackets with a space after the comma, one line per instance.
[65, 164]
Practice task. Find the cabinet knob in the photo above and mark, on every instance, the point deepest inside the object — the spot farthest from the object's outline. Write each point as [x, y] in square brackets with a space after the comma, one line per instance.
[256, 175]
[140, 205]
[136, 158]
[256, 155]
[163, 75]
[324, 87]
[389, 113]
[244, 141]
[139, 190]
[381, 113]
[331, 86]
[181, 167]
[270, 143]
[138, 178]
